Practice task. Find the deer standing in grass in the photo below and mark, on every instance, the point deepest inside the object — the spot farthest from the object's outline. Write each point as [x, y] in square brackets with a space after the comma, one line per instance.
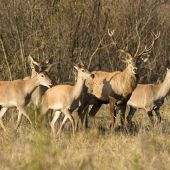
[17, 94]
[65, 99]
[37, 67]
[149, 97]
[37, 94]
[116, 87]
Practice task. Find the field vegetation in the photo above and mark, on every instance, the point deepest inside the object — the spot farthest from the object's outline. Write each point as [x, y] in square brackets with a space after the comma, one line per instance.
[70, 31]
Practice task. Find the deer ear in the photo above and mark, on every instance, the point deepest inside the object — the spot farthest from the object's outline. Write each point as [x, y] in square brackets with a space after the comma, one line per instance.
[32, 61]
[145, 60]
[81, 63]
[167, 69]
[49, 61]
[75, 67]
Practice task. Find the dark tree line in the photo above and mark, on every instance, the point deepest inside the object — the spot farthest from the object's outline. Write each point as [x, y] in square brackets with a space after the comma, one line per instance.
[74, 30]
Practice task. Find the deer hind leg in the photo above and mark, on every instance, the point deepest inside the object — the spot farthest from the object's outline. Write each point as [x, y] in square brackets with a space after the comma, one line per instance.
[52, 123]
[2, 112]
[68, 115]
[130, 115]
[22, 111]
[158, 115]
[61, 126]
[82, 112]
[150, 115]
[95, 108]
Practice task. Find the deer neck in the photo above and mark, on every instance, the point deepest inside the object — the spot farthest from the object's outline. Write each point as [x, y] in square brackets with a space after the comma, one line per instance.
[78, 87]
[164, 88]
[31, 85]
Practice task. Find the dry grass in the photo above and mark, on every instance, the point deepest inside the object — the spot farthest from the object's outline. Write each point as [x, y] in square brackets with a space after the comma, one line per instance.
[147, 148]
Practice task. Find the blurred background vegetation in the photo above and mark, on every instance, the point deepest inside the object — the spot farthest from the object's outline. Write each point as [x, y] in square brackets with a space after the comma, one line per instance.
[70, 30]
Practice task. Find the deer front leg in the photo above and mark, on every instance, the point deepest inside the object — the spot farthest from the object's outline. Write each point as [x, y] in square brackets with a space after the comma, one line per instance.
[22, 111]
[2, 112]
[113, 113]
[122, 116]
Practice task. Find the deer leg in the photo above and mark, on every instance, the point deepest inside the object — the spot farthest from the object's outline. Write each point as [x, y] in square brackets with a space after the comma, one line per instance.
[62, 124]
[95, 108]
[18, 120]
[22, 111]
[68, 115]
[2, 112]
[122, 116]
[82, 111]
[130, 115]
[158, 115]
[112, 103]
[52, 123]
[150, 114]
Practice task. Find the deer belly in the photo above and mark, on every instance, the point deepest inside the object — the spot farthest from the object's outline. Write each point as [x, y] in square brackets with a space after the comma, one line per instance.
[7, 104]
[58, 106]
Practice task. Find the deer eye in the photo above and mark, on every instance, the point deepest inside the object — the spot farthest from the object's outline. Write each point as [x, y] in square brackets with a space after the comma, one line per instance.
[83, 70]
[42, 75]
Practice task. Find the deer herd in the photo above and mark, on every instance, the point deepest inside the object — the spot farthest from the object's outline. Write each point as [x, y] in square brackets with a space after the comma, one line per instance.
[119, 89]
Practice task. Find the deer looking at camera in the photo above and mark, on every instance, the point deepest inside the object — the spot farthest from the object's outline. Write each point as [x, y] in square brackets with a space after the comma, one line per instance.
[17, 94]
[65, 99]
[149, 97]
[116, 87]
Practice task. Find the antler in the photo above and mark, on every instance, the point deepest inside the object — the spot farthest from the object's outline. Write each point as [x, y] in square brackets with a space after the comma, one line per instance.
[111, 33]
[147, 50]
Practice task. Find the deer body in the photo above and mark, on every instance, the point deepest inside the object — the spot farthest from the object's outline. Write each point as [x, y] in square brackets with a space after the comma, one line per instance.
[16, 94]
[149, 97]
[106, 84]
[37, 94]
[65, 99]
[108, 87]
[115, 88]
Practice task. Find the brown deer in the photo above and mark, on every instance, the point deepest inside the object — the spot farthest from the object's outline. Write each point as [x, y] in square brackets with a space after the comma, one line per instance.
[149, 97]
[17, 94]
[64, 99]
[114, 88]
[43, 66]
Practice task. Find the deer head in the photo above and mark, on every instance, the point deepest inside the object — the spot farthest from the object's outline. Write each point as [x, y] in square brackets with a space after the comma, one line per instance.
[82, 72]
[43, 66]
[134, 61]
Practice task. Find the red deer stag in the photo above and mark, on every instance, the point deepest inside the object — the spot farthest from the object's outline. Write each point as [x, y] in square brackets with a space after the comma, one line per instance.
[114, 87]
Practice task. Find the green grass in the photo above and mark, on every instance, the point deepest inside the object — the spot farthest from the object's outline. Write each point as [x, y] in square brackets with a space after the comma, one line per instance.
[95, 148]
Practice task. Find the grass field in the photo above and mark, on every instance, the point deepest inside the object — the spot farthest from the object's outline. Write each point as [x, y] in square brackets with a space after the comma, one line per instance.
[95, 148]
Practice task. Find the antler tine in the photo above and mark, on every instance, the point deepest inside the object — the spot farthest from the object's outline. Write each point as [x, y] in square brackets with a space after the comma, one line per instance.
[111, 33]
[125, 53]
[148, 50]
